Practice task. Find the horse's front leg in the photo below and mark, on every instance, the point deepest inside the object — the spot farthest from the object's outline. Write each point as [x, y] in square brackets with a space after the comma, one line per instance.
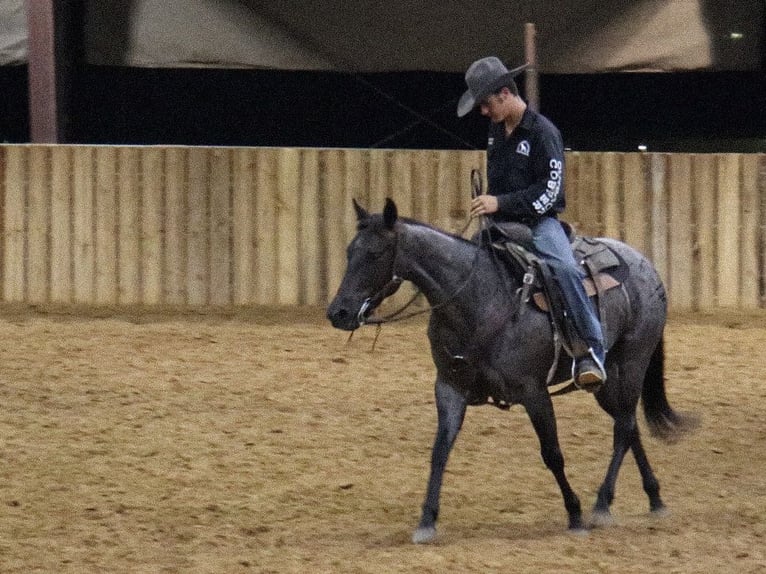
[450, 407]
[540, 410]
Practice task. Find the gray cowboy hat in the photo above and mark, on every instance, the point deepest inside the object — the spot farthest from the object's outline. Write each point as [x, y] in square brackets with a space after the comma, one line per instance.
[484, 77]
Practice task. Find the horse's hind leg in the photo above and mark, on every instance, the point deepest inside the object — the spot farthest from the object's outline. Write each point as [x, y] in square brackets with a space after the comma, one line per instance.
[540, 411]
[619, 397]
[450, 407]
[625, 434]
[650, 483]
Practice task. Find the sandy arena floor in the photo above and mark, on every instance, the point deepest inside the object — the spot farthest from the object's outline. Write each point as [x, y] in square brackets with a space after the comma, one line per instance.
[263, 442]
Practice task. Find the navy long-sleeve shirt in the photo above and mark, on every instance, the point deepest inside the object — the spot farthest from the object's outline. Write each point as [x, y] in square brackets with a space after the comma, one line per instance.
[525, 171]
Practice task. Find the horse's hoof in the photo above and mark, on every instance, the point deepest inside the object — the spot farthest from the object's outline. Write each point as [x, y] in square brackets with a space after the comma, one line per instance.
[424, 535]
[660, 512]
[601, 519]
[578, 531]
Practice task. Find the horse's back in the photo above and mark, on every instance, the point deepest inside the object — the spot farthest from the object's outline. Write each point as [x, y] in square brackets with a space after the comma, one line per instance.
[640, 271]
[639, 307]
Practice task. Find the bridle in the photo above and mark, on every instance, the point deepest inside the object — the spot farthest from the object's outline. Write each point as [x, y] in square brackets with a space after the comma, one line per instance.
[396, 280]
[386, 291]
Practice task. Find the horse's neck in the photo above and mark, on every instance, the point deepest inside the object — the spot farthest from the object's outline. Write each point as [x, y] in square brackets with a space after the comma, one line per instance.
[450, 270]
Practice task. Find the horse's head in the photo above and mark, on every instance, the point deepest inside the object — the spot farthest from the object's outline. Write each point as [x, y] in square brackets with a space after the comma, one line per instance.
[370, 276]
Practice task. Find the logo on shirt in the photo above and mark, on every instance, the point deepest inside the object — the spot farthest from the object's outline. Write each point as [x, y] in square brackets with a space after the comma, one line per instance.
[523, 148]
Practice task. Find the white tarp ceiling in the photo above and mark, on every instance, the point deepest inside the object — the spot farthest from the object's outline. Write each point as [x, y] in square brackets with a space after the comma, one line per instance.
[573, 36]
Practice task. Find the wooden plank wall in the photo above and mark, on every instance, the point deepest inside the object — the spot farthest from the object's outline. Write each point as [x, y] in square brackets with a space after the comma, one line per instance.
[698, 217]
[198, 226]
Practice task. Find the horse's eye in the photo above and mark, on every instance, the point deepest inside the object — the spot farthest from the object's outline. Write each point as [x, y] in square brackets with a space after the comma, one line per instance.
[376, 253]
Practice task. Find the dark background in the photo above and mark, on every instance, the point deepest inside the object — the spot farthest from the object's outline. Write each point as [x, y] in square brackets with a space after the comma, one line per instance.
[688, 111]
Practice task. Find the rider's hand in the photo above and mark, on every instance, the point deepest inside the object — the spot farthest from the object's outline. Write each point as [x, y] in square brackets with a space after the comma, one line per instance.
[483, 205]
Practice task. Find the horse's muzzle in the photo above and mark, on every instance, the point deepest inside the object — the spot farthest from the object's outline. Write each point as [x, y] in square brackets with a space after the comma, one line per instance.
[343, 318]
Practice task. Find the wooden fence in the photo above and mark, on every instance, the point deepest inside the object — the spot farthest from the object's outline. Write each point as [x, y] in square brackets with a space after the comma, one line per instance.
[197, 226]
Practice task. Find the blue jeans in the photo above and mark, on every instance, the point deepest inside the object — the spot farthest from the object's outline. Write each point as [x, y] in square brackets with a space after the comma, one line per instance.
[552, 245]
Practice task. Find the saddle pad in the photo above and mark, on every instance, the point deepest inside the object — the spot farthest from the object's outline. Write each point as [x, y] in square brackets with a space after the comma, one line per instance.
[599, 256]
[605, 282]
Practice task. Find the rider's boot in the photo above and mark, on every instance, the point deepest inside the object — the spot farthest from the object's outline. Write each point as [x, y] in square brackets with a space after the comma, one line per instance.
[588, 371]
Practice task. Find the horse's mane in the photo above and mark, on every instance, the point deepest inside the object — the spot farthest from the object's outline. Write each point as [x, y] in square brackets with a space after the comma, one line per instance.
[377, 220]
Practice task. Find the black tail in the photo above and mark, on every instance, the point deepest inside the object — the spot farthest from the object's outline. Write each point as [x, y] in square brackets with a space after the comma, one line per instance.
[663, 421]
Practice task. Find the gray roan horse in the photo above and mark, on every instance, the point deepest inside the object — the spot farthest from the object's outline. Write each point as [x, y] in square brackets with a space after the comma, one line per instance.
[486, 350]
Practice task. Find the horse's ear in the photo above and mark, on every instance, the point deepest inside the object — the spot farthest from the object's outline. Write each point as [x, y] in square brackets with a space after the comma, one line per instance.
[361, 212]
[390, 213]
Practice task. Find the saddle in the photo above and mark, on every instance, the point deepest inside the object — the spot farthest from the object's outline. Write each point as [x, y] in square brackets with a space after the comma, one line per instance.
[604, 270]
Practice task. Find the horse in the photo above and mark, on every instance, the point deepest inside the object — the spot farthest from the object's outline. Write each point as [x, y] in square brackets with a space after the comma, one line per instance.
[490, 346]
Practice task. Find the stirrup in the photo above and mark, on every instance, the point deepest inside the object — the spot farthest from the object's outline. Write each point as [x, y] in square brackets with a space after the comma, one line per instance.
[589, 380]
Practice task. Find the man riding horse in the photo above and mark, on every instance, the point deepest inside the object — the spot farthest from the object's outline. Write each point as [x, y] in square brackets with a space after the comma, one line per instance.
[525, 173]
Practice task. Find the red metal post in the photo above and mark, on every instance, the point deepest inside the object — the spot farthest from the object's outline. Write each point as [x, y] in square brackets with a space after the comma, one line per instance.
[530, 77]
[43, 99]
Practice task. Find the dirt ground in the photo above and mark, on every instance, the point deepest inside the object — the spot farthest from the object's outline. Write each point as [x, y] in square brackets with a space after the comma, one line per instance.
[263, 441]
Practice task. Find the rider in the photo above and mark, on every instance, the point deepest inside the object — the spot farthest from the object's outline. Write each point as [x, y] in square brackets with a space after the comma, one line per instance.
[525, 173]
